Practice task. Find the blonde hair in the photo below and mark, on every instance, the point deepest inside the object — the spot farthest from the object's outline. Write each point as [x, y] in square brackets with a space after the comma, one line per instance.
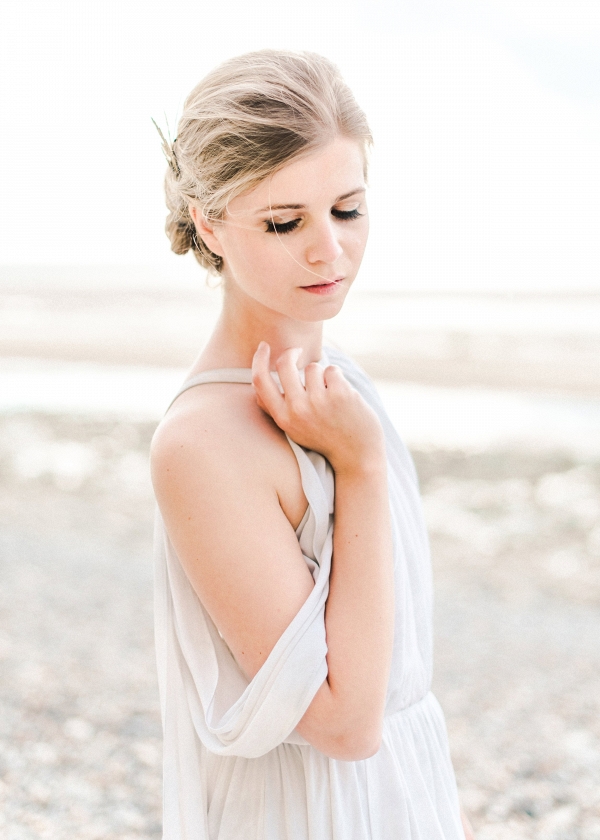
[247, 118]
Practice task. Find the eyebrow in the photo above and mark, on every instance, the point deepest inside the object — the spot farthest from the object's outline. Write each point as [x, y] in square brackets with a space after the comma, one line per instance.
[302, 206]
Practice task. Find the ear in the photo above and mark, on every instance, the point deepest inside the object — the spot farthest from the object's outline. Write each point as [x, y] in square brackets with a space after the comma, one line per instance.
[205, 230]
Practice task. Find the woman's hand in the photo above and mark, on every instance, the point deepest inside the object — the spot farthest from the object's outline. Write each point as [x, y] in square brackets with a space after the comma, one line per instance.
[326, 414]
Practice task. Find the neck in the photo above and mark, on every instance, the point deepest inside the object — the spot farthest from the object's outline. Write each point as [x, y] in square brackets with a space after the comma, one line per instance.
[244, 323]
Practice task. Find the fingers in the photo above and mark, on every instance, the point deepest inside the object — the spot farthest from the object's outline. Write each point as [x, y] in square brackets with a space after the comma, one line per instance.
[289, 375]
[261, 404]
[313, 378]
[269, 396]
[296, 398]
[333, 376]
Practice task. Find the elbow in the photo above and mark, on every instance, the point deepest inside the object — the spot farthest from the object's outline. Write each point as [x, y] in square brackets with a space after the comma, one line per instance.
[340, 733]
[358, 749]
[373, 747]
[356, 744]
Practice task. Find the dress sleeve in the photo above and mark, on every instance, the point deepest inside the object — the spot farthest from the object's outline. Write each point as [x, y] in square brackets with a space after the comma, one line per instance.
[203, 689]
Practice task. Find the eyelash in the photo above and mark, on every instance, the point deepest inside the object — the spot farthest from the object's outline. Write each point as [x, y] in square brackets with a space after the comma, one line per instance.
[288, 227]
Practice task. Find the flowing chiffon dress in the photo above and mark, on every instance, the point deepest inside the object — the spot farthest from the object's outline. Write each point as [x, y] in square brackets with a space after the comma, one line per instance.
[234, 766]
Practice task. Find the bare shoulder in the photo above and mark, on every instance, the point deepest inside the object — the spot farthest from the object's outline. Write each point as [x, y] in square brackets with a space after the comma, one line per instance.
[217, 422]
[229, 490]
[216, 437]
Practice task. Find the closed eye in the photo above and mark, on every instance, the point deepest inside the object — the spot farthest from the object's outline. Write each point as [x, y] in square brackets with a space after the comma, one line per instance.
[346, 214]
[282, 227]
[288, 227]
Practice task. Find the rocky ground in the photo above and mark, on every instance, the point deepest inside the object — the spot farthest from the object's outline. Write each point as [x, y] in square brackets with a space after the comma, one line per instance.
[516, 546]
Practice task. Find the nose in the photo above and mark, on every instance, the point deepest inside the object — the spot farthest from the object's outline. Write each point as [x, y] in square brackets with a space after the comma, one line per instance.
[324, 246]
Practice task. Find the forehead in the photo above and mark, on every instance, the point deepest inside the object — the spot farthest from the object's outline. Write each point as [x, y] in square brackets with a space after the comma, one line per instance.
[323, 175]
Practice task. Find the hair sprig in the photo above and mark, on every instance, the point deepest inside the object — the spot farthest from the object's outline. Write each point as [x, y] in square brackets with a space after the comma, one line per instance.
[168, 148]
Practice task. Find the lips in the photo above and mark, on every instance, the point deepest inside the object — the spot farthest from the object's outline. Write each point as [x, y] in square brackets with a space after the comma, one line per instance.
[324, 283]
[328, 287]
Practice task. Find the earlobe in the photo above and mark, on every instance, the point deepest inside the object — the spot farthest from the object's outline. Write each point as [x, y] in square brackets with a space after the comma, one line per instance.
[205, 230]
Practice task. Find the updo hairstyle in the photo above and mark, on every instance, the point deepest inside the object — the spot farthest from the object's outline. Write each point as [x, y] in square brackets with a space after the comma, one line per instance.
[246, 119]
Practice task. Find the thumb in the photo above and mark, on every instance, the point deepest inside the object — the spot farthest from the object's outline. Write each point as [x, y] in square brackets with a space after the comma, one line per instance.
[261, 405]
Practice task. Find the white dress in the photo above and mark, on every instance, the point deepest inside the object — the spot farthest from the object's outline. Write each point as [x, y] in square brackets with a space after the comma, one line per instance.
[234, 766]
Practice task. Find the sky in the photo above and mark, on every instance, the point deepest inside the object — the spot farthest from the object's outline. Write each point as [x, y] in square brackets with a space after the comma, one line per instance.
[485, 174]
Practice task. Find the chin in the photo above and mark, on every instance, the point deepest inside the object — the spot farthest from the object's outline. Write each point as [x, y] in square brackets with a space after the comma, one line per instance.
[325, 312]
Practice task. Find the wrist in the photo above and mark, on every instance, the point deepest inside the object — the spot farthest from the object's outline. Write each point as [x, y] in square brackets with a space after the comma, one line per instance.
[366, 465]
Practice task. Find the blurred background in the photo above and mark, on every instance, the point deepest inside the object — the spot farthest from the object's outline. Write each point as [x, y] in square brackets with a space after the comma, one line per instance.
[477, 311]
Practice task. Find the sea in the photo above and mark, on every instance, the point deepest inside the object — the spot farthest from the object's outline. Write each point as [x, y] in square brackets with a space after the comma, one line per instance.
[454, 369]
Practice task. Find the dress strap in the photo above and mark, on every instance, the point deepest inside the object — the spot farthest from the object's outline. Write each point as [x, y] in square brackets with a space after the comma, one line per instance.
[241, 375]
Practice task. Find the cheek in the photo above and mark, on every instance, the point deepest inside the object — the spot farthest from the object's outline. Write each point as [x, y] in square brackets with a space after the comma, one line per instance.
[256, 262]
[242, 252]
[272, 256]
[357, 240]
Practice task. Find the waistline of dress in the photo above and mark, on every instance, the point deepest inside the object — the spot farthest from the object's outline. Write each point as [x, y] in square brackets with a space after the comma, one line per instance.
[406, 711]
[411, 708]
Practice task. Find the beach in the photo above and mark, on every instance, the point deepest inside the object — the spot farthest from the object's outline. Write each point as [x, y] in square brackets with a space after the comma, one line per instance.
[511, 497]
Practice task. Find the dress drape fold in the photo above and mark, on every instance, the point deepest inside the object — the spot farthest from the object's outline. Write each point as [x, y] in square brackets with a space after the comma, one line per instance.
[234, 766]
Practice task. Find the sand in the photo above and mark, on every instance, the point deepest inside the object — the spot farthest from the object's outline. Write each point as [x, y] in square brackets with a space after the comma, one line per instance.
[516, 547]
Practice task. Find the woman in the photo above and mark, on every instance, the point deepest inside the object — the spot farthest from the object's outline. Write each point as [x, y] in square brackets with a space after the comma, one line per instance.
[294, 637]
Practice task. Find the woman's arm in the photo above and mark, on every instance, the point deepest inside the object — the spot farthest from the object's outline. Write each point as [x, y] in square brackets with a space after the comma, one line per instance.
[346, 716]
[214, 480]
